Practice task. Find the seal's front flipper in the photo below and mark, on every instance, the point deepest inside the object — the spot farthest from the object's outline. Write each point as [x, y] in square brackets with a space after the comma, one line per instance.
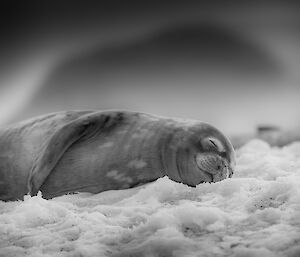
[63, 138]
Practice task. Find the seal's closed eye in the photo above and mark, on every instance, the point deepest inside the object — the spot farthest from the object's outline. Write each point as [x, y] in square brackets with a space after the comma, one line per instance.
[211, 143]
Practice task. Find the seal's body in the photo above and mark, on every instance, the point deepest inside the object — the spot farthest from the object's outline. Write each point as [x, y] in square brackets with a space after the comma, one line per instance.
[88, 151]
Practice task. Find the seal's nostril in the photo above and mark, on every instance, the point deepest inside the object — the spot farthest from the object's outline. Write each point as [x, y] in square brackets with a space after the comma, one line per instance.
[230, 173]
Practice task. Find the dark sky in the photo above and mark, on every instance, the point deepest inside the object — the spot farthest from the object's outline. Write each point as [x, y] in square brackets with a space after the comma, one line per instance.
[233, 64]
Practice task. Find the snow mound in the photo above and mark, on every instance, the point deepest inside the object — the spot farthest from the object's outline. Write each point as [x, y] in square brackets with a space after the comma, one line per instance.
[256, 213]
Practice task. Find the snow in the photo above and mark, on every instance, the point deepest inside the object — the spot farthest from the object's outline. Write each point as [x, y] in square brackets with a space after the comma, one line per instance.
[255, 213]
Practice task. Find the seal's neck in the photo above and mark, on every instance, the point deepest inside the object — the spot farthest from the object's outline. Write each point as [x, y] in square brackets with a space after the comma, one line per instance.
[168, 158]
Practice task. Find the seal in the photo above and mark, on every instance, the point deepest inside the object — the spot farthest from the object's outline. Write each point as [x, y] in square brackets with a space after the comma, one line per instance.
[95, 151]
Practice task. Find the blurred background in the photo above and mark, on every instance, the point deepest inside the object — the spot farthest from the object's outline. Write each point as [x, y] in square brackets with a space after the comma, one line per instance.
[234, 64]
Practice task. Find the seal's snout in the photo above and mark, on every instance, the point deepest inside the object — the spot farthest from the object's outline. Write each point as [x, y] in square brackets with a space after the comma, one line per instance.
[213, 164]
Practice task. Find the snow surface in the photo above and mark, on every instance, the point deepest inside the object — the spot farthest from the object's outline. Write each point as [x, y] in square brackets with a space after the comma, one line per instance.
[256, 213]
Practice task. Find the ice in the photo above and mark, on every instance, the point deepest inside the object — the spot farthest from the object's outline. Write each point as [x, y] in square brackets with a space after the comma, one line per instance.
[255, 213]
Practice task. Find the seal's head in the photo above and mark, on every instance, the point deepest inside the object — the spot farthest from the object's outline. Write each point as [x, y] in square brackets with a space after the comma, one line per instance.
[200, 153]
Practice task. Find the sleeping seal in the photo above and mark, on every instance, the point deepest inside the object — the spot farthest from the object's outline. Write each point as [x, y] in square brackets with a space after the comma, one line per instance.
[94, 151]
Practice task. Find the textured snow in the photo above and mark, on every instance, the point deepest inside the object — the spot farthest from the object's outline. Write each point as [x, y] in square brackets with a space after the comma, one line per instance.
[256, 213]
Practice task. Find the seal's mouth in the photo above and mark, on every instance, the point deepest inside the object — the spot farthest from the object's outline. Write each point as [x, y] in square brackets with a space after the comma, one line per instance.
[212, 167]
[207, 175]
